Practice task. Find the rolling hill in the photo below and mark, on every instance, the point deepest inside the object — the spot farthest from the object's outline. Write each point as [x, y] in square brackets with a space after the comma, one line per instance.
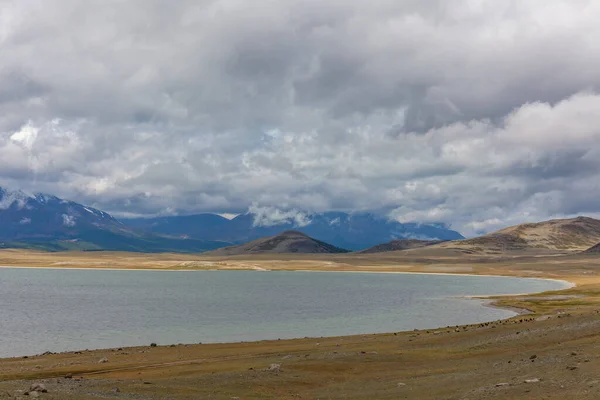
[283, 243]
[558, 235]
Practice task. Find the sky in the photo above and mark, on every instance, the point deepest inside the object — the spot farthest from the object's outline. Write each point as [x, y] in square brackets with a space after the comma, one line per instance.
[476, 113]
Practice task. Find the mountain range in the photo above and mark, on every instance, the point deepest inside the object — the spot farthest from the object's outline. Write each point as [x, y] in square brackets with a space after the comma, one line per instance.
[46, 222]
[355, 231]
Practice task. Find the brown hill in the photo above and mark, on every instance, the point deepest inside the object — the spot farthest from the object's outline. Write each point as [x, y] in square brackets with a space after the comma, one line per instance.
[563, 235]
[398, 244]
[285, 242]
[595, 249]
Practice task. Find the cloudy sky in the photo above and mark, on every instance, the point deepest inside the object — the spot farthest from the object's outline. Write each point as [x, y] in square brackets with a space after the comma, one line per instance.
[477, 113]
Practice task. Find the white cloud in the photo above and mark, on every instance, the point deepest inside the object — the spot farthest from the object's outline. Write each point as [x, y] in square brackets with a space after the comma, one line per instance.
[271, 216]
[68, 220]
[464, 112]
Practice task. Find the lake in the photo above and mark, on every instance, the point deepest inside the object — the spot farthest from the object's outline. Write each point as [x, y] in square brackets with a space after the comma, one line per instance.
[60, 310]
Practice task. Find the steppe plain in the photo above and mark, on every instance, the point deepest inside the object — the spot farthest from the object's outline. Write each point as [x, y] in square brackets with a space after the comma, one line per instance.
[550, 351]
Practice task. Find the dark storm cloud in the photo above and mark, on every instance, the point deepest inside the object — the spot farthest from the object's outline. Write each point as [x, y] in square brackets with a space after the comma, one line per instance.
[477, 114]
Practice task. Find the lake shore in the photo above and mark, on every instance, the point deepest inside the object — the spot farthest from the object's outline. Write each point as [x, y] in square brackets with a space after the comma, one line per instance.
[491, 360]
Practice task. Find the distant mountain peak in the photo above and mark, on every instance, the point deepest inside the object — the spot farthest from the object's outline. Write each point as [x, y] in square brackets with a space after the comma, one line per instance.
[285, 242]
[44, 221]
[293, 233]
[10, 198]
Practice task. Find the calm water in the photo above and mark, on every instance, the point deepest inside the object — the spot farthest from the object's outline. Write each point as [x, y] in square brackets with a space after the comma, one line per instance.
[58, 310]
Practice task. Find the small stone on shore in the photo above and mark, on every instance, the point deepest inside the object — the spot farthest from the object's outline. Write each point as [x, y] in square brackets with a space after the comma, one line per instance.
[38, 387]
[274, 368]
[532, 380]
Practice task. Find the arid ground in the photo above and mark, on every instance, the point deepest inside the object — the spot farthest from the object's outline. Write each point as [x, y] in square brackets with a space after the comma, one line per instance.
[551, 353]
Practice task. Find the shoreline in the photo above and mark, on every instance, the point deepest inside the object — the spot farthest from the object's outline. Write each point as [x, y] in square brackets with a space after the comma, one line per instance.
[485, 300]
[555, 345]
[568, 283]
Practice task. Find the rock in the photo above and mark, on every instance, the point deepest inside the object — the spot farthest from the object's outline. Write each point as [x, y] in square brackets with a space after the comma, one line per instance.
[572, 367]
[274, 368]
[147, 383]
[502, 384]
[153, 345]
[103, 360]
[533, 357]
[38, 387]
[116, 390]
[573, 353]
[69, 376]
[532, 380]
[401, 384]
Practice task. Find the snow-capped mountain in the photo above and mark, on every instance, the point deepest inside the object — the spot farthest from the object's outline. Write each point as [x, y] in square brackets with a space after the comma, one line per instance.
[349, 231]
[47, 222]
[42, 215]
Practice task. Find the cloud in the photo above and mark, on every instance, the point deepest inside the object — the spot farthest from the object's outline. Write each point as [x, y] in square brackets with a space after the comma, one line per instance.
[271, 216]
[68, 220]
[462, 112]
